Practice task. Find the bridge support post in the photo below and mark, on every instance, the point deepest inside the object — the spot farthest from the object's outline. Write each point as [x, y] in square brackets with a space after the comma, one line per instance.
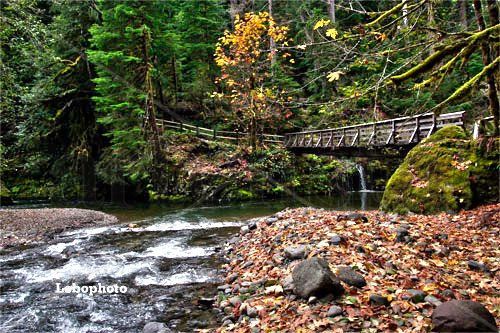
[373, 135]
[433, 127]
[392, 135]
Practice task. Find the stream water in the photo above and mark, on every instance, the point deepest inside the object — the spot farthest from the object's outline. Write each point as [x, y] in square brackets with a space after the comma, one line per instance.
[168, 262]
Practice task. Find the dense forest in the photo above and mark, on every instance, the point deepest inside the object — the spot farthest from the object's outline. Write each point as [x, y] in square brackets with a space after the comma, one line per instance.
[84, 82]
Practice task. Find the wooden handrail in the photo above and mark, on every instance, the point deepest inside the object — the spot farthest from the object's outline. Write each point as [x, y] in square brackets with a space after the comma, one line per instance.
[391, 132]
[214, 133]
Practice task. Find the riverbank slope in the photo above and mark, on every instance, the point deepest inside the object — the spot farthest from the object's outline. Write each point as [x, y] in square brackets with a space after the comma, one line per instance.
[399, 268]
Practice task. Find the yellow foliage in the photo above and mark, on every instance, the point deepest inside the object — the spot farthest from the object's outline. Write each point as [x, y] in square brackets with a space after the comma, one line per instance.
[321, 23]
[245, 57]
[334, 76]
[333, 33]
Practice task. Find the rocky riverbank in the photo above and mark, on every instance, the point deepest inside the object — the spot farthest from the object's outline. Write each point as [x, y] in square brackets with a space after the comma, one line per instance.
[313, 270]
[27, 226]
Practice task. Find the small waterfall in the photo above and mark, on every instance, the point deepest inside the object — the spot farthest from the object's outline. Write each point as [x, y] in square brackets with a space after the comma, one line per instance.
[362, 178]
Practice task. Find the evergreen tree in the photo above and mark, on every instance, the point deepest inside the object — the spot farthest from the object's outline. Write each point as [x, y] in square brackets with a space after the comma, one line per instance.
[199, 25]
[123, 54]
[66, 93]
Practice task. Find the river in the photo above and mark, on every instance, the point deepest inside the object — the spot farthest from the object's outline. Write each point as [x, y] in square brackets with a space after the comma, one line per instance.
[168, 262]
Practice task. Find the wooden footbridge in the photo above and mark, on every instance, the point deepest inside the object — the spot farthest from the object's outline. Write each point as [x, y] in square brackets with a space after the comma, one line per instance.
[381, 138]
[393, 137]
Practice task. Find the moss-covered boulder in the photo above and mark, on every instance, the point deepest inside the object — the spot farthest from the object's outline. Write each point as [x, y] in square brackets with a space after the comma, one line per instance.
[446, 172]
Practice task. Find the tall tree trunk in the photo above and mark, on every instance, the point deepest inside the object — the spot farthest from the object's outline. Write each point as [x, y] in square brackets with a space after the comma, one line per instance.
[174, 78]
[493, 101]
[236, 7]
[151, 128]
[431, 21]
[494, 20]
[331, 10]
[159, 85]
[272, 44]
[462, 8]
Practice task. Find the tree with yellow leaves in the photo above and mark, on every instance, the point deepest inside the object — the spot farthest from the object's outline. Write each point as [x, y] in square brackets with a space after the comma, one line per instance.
[248, 63]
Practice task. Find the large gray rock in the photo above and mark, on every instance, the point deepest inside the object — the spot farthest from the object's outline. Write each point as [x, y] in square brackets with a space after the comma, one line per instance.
[351, 277]
[463, 316]
[296, 252]
[313, 277]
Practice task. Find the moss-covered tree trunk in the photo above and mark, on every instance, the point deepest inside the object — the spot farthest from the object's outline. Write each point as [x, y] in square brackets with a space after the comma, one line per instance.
[493, 102]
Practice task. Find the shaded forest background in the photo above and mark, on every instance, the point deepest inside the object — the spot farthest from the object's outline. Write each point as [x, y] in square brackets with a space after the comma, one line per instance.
[83, 81]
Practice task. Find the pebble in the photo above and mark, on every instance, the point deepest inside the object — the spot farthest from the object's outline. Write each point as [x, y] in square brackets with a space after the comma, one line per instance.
[235, 301]
[252, 225]
[252, 312]
[402, 235]
[348, 275]
[432, 300]
[271, 220]
[244, 230]
[360, 249]
[377, 299]
[448, 293]
[334, 311]
[441, 236]
[312, 300]
[231, 278]
[296, 252]
[402, 231]
[444, 251]
[335, 240]
[247, 264]
[223, 287]
[415, 295]
[477, 266]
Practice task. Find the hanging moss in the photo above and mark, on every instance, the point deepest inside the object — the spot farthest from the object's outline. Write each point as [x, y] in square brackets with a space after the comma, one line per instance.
[446, 172]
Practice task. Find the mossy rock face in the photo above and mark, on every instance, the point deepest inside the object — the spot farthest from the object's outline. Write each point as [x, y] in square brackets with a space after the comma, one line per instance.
[445, 172]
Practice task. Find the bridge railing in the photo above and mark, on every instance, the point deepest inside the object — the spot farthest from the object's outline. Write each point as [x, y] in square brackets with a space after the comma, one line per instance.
[398, 131]
[213, 134]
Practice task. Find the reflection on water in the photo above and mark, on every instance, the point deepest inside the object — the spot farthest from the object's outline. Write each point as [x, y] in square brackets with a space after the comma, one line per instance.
[364, 200]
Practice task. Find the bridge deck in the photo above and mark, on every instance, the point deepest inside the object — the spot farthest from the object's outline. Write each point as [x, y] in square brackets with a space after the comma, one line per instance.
[370, 138]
